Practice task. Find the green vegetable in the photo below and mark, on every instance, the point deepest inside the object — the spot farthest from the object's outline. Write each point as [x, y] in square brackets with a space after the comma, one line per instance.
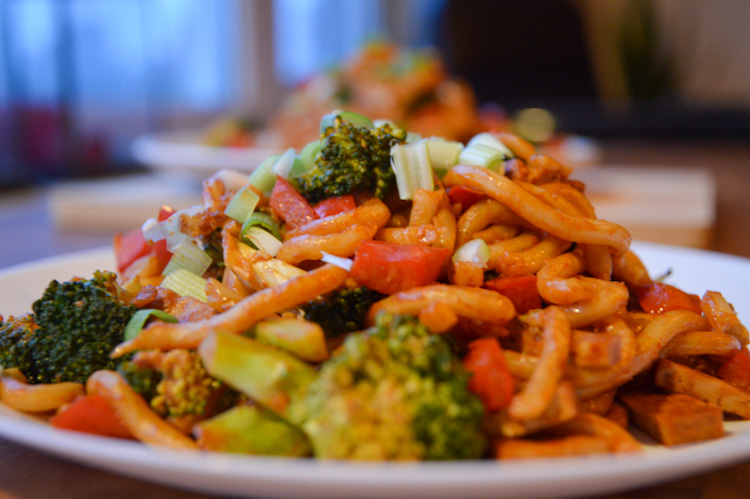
[263, 177]
[269, 376]
[185, 283]
[188, 256]
[394, 392]
[247, 429]
[242, 204]
[356, 119]
[302, 338]
[74, 327]
[177, 385]
[341, 311]
[413, 168]
[136, 323]
[352, 159]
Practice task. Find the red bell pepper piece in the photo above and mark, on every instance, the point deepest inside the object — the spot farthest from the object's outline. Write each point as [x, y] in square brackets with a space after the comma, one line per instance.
[521, 290]
[90, 414]
[129, 246]
[334, 206]
[290, 205]
[465, 196]
[159, 248]
[736, 370]
[390, 268]
[491, 378]
[657, 297]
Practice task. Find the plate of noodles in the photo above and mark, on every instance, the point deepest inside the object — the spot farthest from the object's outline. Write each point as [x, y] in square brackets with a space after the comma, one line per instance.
[257, 476]
[383, 317]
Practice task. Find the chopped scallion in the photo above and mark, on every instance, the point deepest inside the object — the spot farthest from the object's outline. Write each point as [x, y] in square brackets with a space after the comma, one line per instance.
[339, 261]
[481, 155]
[474, 251]
[262, 239]
[413, 169]
[185, 283]
[139, 319]
[285, 163]
[444, 154]
[263, 220]
[308, 153]
[355, 119]
[263, 176]
[187, 255]
[487, 139]
[242, 204]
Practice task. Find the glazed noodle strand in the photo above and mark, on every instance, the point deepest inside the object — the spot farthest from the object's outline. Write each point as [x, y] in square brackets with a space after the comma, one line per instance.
[541, 215]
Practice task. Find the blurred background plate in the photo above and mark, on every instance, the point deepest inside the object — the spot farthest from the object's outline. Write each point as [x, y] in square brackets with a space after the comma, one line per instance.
[180, 153]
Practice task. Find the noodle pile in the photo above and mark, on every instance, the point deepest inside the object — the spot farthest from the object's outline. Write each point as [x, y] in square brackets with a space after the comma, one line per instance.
[580, 356]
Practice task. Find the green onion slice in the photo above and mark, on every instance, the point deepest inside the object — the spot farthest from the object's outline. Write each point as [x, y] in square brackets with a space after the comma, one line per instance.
[413, 168]
[487, 139]
[187, 255]
[263, 220]
[308, 153]
[355, 119]
[262, 239]
[263, 176]
[185, 283]
[475, 251]
[481, 155]
[444, 154]
[242, 204]
[139, 319]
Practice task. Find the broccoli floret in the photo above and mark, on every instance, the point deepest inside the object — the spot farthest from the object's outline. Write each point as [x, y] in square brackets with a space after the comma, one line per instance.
[394, 392]
[352, 159]
[15, 343]
[342, 311]
[177, 385]
[74, 327]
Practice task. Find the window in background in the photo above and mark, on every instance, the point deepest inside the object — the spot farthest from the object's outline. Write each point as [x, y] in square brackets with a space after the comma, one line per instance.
[82, 78]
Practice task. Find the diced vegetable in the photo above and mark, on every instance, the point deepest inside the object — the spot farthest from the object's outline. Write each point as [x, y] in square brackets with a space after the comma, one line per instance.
[242, 204]
[290, 205]
[736, 370]
[335, 205]
[269, 273]
[482, 155]
[390, 268]
[355, 119]
[263, 220]
[129, 247]
[521, 290]
[308, 153]
[444, 154]
[659, 297]
[261, 239]
[90, 414]
[491, 378]
[268, 375]
[302, 338]
[247, 429]
[185, 283]
[474, 251]
[488, 139]
[139, 319]
[187, 255]
[263, 177]
[413, 168]
[286, 164]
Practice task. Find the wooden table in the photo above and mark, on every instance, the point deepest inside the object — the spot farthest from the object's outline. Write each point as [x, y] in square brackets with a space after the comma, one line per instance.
[26, 473]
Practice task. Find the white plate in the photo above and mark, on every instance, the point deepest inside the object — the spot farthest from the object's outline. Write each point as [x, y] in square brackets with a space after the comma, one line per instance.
[693, 270]
[180, 153]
